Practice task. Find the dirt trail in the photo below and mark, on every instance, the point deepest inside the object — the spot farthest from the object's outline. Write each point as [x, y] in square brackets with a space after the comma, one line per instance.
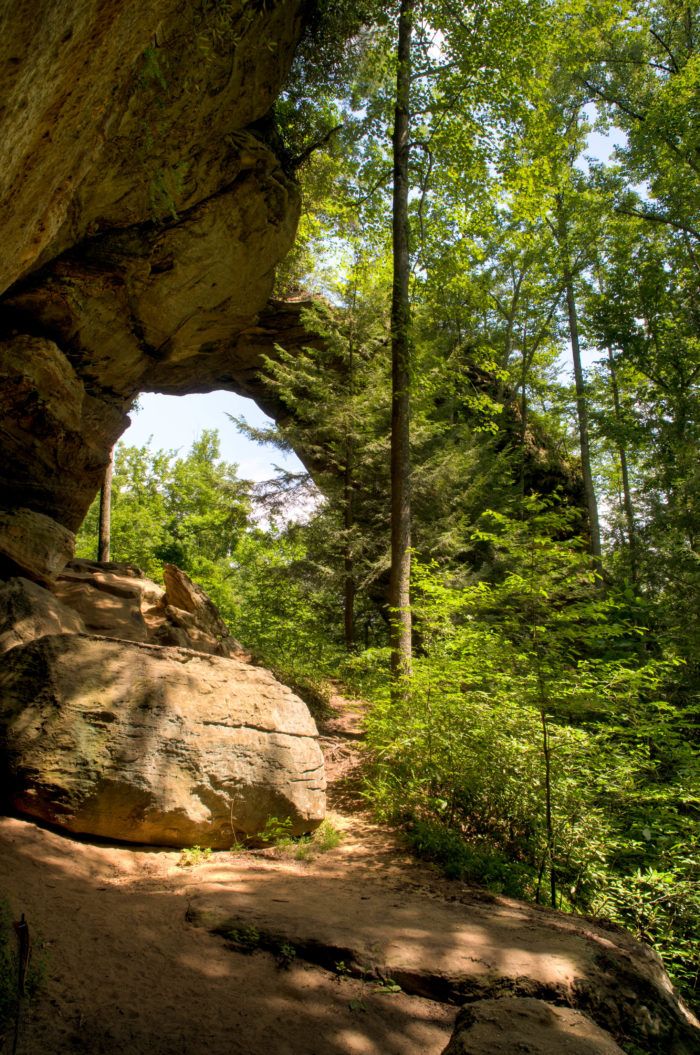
[133, 964]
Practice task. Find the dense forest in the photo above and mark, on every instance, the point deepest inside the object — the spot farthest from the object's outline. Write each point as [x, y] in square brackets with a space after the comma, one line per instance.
[496, 542]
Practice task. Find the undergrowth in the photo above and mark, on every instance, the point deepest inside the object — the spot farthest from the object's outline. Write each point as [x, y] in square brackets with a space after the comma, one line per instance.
[193, 856]
[314, 689]
[277, 833]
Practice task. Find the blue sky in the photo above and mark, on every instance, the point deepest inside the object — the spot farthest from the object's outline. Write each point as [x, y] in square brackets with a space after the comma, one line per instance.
[174, 422]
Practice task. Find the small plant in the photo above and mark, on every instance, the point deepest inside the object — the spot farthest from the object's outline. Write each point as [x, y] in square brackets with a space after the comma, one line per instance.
[304, 850]
[367, 975]
[277, 831]
[246, 938]
[151, 70]
[387, 986]
[194, 855]
[325, 838]
[286, 955]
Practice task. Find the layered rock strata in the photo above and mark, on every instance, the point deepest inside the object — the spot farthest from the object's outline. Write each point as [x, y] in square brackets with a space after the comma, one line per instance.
[108, 731]
[143, 213]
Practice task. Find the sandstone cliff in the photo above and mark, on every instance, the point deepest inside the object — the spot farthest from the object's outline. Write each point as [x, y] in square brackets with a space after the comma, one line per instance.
[143, 214]
[127, 711]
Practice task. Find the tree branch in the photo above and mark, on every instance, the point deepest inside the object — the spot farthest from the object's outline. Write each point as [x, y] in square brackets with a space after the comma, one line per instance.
[657, 37]
[299, 159]
[653, 217]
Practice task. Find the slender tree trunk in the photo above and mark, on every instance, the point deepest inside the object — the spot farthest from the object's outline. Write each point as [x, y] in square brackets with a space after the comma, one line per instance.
[581, 400]
[547, 754]
[349, 563]
[524, 371]
[399, 589]
[624, 472]
[349, 605]
[582, 414]
[104, 540]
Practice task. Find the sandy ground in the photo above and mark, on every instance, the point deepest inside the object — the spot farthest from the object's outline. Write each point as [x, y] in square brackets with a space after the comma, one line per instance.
[132, 966]
[126, 970]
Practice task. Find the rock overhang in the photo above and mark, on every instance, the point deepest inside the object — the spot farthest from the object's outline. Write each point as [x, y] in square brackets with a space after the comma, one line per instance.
[143, 216]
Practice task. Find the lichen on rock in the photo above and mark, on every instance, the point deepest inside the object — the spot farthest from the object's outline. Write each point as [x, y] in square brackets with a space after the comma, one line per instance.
[155, 745]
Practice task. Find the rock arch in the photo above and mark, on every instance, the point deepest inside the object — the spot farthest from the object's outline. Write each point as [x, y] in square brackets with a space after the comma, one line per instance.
[144, 211]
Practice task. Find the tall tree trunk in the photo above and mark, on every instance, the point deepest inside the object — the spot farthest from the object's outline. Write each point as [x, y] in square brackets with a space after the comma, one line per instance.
[399, 588]
[582, 414]
[581, 400]
[104, 540]
[524, 371]
[624, 472]
[348, 524]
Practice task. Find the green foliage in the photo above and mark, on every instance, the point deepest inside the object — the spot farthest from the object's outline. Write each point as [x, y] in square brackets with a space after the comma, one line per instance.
[284, 609]
[467, 860]
[286, 955]
[387, 986]
[536, 745]
[193, 856]
[323, 839]
[326, 837]
[277, 831]
[246, 938]
[190, 511]
[152, 71]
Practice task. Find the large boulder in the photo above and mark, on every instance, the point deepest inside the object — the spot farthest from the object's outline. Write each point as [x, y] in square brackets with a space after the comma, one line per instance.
[27, 612]
[154, 745]
[511, 1024]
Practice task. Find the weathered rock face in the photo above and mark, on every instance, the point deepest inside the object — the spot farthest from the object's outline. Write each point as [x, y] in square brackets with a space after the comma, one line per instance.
[143, 213]
[154, 745]
[113, 600]
[191, 619]
[116, 114]
[109, 732]
[116, 601]
[28, 612]
[33, 544]
[501, 1027]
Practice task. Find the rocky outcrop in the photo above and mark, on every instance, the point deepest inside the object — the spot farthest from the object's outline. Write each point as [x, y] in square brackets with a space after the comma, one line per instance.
[143, 214]
[107, 731]
[28, 612]
[505, 960]
[502, 1027]
[117, 601]
[191, 616]
[33, 544]
[113, 600]
[154, 745]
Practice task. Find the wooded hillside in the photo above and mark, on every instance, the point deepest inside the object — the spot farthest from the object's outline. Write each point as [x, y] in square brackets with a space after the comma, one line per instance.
[535, 730]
